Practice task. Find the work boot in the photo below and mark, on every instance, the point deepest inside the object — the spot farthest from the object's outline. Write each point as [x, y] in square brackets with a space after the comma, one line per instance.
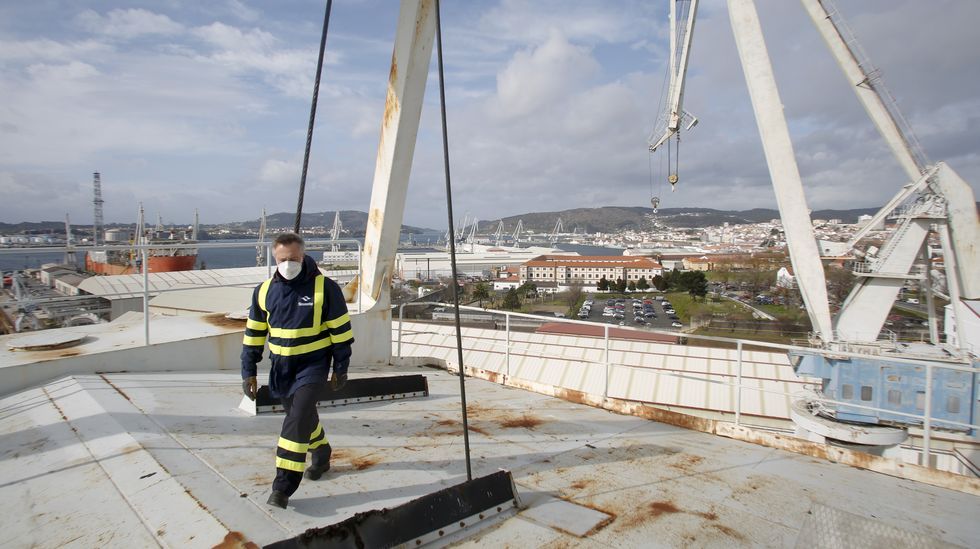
[314, 472]
[278, 499]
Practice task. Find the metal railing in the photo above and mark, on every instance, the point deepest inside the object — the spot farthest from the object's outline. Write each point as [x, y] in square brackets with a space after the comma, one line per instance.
[737, 386]
[144, 250]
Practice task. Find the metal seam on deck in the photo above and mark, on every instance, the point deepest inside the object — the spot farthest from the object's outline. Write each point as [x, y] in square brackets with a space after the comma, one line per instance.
[105, 472]
[203, 461]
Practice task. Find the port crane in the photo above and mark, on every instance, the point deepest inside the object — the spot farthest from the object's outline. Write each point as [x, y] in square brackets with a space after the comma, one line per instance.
[336, 230]
[517, 233]
[553, 239]
[682, 16]
[260, 252]
[934, 203]
[498, 235]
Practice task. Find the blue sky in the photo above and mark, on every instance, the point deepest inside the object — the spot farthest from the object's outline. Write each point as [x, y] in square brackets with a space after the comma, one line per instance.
[185, 104]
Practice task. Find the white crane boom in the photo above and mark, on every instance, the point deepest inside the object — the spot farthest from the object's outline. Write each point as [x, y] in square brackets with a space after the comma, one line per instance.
[674, 113]
[778, 149]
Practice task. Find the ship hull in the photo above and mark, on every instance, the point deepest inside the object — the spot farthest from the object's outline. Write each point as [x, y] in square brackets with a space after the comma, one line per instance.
[157, 264]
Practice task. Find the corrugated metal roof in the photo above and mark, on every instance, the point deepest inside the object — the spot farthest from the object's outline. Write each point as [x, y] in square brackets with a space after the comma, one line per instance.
[132, 285]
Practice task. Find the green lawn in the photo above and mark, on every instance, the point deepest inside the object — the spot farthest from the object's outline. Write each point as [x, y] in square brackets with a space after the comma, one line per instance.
[685, 306]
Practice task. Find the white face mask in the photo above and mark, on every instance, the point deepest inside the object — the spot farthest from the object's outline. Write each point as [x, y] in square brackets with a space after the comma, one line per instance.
[289, 269]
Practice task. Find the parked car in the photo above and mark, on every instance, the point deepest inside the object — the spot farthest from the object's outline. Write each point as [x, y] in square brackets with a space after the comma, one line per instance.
[676, 325]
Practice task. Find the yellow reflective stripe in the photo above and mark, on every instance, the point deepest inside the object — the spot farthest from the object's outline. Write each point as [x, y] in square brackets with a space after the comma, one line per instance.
[318, 327]
[297, 447]
[317, 431]
[317, 444]
[318, 300]
[254, 341]
[290, 465]
[305, 332]
[256, 325]
[349, 334]
[263, 291]
[299, 349]
[293, 333]
[338, 322]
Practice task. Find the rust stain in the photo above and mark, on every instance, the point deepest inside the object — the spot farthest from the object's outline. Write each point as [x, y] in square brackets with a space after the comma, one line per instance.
[364, 462]
[259, 479]
[393, 73]
[728, 531]
[646, 513]
[392, 106]
[458, 427]
[73, 352]
[235, 540]
[686, 462]
[659, 508]
[375, 218]
[582, 484]
[525, 422]
[118, 390]
[475, 410]
[356, 460]
[493, 377]
[708, 516]
[199, 504]
[219, 320]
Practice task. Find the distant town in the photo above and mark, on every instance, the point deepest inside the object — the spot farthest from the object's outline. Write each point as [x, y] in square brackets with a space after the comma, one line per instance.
[731, 278]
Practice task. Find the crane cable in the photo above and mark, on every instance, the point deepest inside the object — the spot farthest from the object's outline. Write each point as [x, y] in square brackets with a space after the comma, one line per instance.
[452, 242]
[309, 131]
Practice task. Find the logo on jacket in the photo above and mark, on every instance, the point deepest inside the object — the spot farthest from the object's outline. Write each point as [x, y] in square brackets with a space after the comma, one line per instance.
[305, 301]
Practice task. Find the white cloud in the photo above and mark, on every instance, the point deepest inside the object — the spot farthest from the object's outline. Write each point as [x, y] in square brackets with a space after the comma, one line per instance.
[254, 50]
[128, 23]
[280, 172]
[536, 77]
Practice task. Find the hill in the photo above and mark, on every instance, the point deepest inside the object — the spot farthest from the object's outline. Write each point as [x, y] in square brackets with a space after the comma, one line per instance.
[610, 219]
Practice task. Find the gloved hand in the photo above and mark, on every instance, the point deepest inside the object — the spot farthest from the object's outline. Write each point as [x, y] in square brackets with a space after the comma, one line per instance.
[337, 382]
[250, 386]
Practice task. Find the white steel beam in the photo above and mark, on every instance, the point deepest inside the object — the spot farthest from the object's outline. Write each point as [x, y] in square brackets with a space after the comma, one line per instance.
[399, 127]
[785, 174]
[866, 93]
[964, 232]
[866, 308]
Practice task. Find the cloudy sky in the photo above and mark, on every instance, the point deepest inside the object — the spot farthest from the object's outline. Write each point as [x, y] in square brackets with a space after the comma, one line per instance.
[183, 104]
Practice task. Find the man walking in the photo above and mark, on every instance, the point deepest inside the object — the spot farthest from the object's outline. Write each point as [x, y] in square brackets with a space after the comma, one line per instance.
[304, 316]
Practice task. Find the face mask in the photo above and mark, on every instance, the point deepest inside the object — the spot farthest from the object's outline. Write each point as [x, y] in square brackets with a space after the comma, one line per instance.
[289, 269]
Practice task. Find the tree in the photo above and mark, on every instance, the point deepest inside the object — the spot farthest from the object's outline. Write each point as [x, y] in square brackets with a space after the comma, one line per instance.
[698, 285]
[620, 285]
[573, 295]
[512, 300]
[528, 289]
[631, 286]
[694, 283]
[602, 285]
[642, 284]
[840, 281]
[660, 283]
[481, 292]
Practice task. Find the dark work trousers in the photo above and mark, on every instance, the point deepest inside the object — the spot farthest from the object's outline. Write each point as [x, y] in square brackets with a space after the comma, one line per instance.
[301, 432]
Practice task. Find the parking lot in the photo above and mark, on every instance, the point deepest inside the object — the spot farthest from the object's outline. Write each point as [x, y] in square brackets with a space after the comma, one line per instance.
[661, 321]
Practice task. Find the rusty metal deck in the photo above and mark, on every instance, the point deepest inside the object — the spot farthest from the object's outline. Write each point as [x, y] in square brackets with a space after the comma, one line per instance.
[142, 459]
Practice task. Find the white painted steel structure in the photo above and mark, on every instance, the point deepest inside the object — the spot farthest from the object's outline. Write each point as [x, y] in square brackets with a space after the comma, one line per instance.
[675, 113]
[778, 148]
